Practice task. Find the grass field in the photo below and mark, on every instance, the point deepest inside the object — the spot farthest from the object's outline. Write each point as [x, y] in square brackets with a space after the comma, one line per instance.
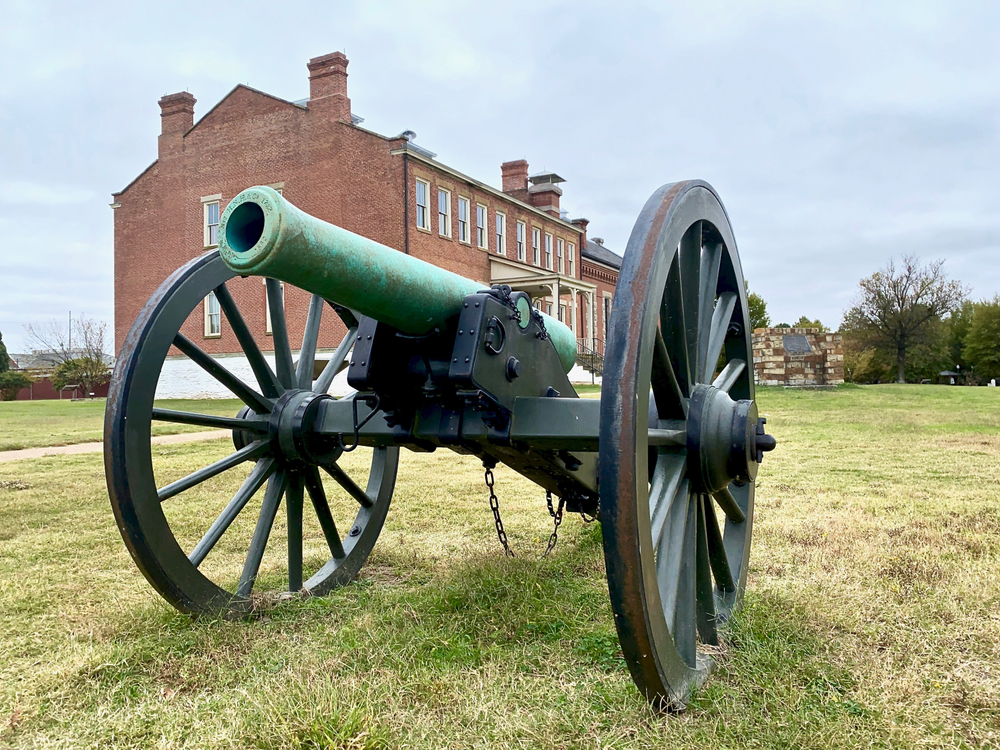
[34, 424]
[872, 616]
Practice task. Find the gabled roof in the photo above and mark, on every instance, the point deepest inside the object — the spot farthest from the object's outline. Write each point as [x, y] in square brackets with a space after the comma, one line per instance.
[601, 254]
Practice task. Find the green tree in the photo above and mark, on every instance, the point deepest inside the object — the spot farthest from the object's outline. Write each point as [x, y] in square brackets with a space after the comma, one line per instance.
[11, 382]
[982, 343]
[87, 372]
[897, 307]
[958, 329]
[4, 357]
[757, 308]
[804, 322]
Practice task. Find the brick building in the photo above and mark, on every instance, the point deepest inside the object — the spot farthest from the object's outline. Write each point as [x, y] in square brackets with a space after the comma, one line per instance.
[386, 188]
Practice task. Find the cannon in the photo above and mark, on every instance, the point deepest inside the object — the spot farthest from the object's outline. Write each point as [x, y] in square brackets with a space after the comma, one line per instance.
[666, 459]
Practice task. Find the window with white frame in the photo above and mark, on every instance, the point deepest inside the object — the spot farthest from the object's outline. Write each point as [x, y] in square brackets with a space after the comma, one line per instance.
[267, 307]
[520, 241]
[211, 213]
[570, 257]
[548, 251]
[562, 313]
[560, 247]
[423, 216]
[444, 213]
[463, 219]
[607, 316]
[536, 246]
[501, 233]
[548, 308]
[213, 316]
[481, 225]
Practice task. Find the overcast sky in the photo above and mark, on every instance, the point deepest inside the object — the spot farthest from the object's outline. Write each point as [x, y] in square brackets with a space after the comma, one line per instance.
[839, 134]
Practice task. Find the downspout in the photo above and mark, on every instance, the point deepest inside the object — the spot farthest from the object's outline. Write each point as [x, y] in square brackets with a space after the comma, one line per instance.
[406, 203]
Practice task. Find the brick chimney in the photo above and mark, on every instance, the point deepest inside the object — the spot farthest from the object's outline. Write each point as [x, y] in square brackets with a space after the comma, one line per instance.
[544, 192]
[177, 113]
[328, 86]
[582, 225]
[176, 118]
[515, 178]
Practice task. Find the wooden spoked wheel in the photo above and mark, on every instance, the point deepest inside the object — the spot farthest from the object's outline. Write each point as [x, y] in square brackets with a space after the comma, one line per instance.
[680, 440]
[224, 513]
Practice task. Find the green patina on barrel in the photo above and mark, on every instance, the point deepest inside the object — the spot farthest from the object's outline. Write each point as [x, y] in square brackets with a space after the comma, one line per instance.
[262, 234]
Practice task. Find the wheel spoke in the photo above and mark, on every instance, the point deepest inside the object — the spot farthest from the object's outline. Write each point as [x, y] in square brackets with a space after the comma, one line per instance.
[705, 589]
[690, 273]
[265, 522]
[670, 401]
[209, 420]
[668, 484]
[325, 380]
[729, 375]
[261, 369]
[348, 484]
[676, 573]
[318, 496]
[243, 392]
[248, 453]
[729, 505]
[307, 355]
[717, 552]
[293, 509]
[673, 438]
[721, 317]
[711, 258]
[279, 332]
[258, 475]
[672, 329]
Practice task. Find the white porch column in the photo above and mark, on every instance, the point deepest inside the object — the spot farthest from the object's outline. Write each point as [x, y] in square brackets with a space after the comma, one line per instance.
[591, 311]
[574, 313]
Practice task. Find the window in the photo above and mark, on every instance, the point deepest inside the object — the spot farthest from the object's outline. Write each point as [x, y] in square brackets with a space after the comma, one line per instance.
[211, 204]
[560, 246]
[548, 251]
[570, 258]
[501, 234]
[444, 213]
[548, 308]
[607, 317]
[481, 225]
[423, 218]
[267, 307]
[463, 219]
[213, 315]
[520, 241]
[536, 246]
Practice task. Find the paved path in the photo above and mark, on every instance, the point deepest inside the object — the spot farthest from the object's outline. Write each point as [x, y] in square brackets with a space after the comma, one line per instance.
[62, 450]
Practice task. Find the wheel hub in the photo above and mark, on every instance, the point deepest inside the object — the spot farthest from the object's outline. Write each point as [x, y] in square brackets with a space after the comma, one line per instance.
[725, 438]
[291, 426]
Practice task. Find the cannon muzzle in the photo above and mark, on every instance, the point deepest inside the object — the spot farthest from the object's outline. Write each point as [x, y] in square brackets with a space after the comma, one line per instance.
[262, 234]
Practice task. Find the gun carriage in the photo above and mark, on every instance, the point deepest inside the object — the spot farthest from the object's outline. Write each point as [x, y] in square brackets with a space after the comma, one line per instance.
[666, 459]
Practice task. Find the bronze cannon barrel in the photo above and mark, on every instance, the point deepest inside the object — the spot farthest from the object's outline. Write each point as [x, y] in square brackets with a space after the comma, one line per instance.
[262, 234]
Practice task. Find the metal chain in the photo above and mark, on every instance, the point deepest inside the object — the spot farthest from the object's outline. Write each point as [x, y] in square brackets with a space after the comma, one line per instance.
[495, 507]
[557, 515]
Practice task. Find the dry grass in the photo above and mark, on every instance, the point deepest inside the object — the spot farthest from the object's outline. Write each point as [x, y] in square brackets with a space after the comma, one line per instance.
[872, 617]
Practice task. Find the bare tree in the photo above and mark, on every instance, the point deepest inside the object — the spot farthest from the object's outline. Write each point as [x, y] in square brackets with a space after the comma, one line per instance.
[895, 306]
[80, 356]
[87, 338]
[51, 339]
